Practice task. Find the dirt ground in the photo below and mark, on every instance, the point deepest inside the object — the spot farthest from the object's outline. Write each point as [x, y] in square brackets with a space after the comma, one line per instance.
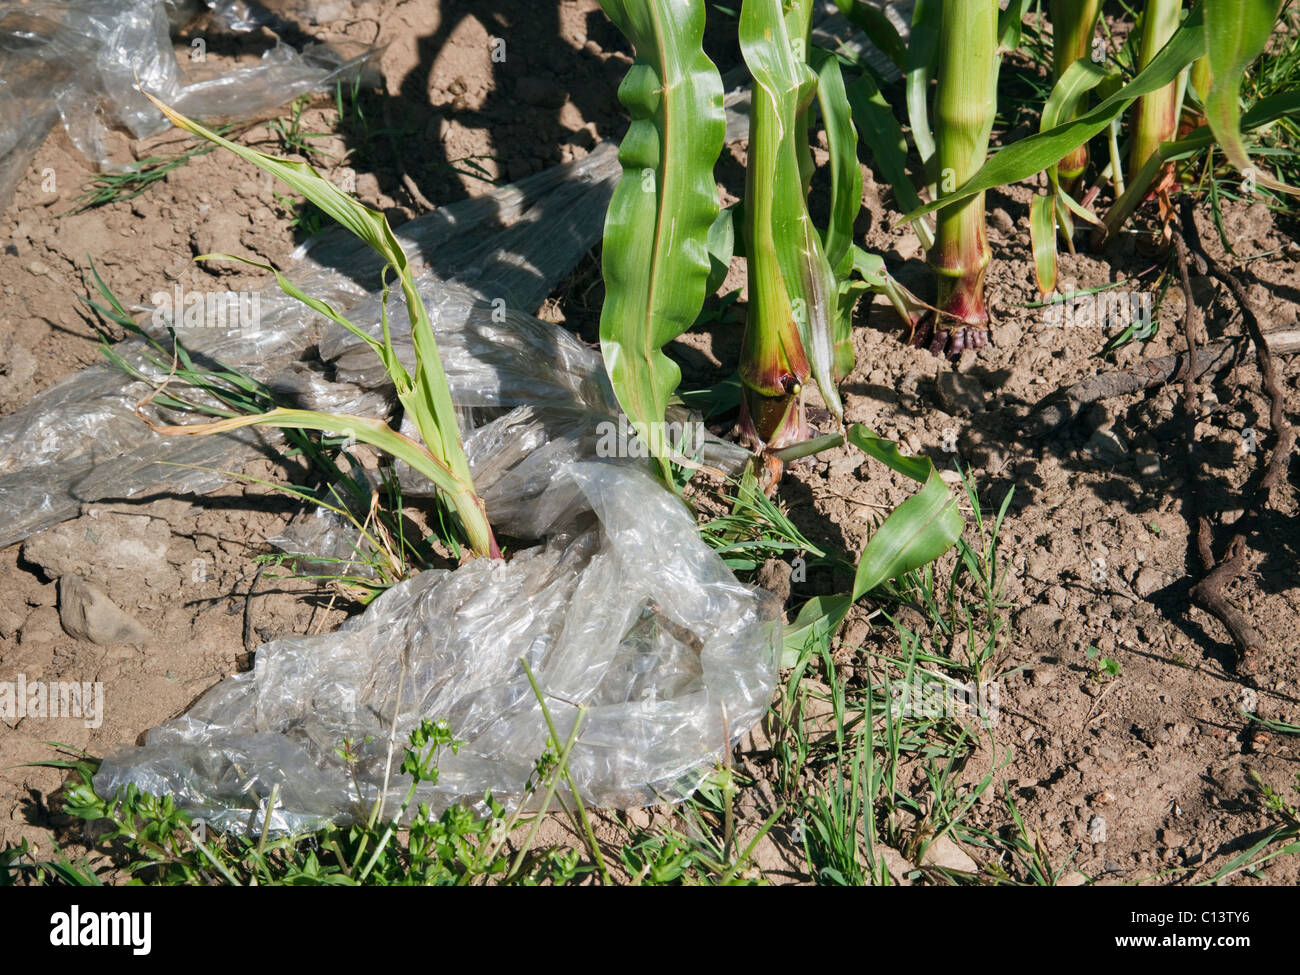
[1096, 544]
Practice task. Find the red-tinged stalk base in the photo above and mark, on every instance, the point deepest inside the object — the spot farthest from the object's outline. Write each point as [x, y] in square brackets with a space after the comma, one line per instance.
[960, 318]
[773, 422]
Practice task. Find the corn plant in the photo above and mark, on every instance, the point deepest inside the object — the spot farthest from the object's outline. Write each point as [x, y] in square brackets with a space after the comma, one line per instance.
[803, 280]
[664, 220]
[425, 396]
[789, 334]
[955, 47]
[1216, 41]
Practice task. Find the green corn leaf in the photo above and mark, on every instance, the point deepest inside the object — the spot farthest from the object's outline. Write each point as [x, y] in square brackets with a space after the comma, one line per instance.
[922, 55]
[1236, 31]
[1011, 24]
[1042, 235]
[1079, 78]
[887, 452]
[846, 196]
[1036, 153]
[656, 256]
[722, 246]
[873, 22]
[818, 619]
[1077, 208]
[918, 531]
[842, 140]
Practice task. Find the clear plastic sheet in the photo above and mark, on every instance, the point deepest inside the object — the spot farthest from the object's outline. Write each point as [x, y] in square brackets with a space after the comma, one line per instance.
[80, 441]
[632, 618]
[622, 609]
[82, 60]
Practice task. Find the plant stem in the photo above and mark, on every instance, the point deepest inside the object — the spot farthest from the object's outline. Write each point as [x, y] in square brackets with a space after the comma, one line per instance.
[592, 845]
[1156, 118]
[773, 363]
[1073, 25]
[964, 106]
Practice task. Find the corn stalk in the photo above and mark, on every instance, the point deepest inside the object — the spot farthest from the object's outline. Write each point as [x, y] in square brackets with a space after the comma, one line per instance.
[1156, 118]
[1073, 25]
[790, 328]
[964, 106]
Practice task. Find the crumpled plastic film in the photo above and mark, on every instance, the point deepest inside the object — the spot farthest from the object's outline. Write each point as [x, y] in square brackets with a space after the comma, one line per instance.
[624, 612]
[81, 441]
[84, 61]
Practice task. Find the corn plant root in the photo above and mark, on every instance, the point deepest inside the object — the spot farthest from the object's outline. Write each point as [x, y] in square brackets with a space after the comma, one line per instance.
[1210, 592]
[1062, 406]
[949, 339]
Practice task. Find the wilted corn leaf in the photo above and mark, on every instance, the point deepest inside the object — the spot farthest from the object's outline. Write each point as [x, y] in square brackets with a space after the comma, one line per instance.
[1236, 31]
[426, 397]
[780, 223]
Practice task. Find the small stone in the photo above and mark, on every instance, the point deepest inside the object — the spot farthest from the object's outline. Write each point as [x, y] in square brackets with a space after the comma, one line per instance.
[9, 622]
[1042, 676]
[945, 853]
[41, 627]
[1148, 581]
[898, 865]
[1097, 830]
[1172, 838]
[87, 613]
[1147, 464]
[1106, 447]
